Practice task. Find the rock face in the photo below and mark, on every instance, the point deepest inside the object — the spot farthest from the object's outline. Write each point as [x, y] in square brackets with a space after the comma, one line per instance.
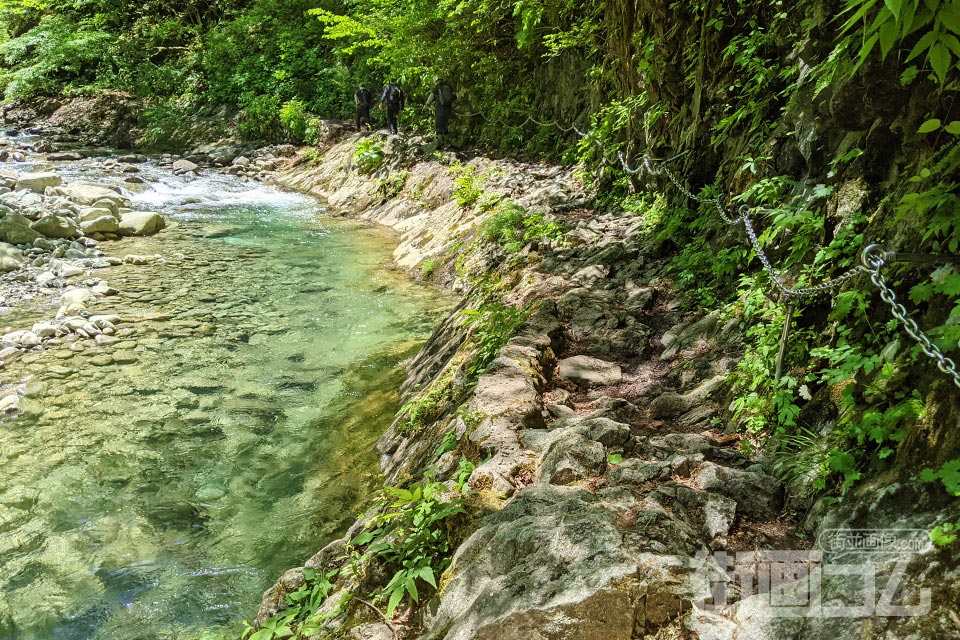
[549, 565]
[141, 223]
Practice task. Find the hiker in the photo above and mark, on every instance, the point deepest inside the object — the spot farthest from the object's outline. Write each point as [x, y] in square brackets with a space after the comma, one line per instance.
[393, 97]
[363, 98]
[442, 98]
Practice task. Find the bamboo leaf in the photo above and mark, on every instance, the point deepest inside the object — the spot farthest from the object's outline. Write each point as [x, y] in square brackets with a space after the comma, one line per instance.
[894, 7]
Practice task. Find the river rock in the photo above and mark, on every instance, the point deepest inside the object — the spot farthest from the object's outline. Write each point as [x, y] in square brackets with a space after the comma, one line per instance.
[22, 338]
[93, 213]
[671, 405]
[181, 167]
[10, 403]
[551, 559]
[71, 297]
[103, 224]
[44, 329]
[53, 226]
[87, 194]
[14, 232]
[11, 258]
[141, 223]
[38, 182]
[64, 156]
[588, 372]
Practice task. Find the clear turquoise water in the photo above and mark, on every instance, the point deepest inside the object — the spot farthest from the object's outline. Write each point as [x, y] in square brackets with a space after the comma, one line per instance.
[157, 492]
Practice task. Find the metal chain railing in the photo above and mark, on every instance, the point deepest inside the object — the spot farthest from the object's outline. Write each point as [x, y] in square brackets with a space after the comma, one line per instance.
[873, 257]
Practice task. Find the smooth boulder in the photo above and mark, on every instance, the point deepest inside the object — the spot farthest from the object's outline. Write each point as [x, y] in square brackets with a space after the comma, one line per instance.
[53, 226]
[141, 223]
[38, 182]
[11, 258]
[15, 232]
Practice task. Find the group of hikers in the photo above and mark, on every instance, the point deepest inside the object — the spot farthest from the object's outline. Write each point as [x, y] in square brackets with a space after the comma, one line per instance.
[393, 99]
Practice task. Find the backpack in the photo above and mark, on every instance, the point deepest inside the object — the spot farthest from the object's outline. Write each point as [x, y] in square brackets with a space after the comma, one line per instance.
[446, 96]
[364, 97]
[394, 96]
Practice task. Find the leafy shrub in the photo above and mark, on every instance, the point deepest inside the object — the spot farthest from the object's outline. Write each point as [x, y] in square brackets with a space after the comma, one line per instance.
[408, 533]
[368, 155]
[294, 119]
[512, 227]
[261, 117]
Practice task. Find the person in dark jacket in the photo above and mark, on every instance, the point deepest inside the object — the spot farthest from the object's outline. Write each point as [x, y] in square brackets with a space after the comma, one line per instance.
[442, 98]
[393, 97]
[363, 98]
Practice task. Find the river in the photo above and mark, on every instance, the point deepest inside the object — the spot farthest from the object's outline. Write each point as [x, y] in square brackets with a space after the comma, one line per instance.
[157, 483]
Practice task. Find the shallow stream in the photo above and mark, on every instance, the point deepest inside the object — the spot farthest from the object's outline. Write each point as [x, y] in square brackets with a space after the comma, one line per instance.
[156, 484]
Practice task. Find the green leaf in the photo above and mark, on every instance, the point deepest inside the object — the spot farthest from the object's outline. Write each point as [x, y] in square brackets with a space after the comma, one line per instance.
[363, 538]
[921, 292]
[940, 61]
[929, 475]
[427, 574]
[888, 37]
[395, 598]
[411, 586]
[922, 45]
[943, 535]
[930, 125]
[856, 17]
[614, 458]
[909, 75]
[894, 7]
[953, 128]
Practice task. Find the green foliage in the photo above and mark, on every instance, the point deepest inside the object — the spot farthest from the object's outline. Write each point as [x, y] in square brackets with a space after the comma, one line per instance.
[294, 119]
[261, 117]
[512, 227]
[165, 127]
[368, 155]
[392, 185]
[278, 626]
[493, 325]
[948, 474]
[427, 269]
[944, 534]
[468, 185]
[889, 23]
[407, 533]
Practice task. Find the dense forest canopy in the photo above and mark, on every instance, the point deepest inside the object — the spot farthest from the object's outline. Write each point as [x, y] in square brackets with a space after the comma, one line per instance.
[839, 117]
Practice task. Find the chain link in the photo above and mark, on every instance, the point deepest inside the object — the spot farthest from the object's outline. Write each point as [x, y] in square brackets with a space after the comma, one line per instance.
[873, 260]
[873, 257]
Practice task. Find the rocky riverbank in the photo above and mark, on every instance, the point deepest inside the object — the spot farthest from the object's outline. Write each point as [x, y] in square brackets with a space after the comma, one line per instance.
[603, 484]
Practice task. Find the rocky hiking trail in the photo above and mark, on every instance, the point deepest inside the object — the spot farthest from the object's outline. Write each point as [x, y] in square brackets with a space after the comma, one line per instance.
[602, 467]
